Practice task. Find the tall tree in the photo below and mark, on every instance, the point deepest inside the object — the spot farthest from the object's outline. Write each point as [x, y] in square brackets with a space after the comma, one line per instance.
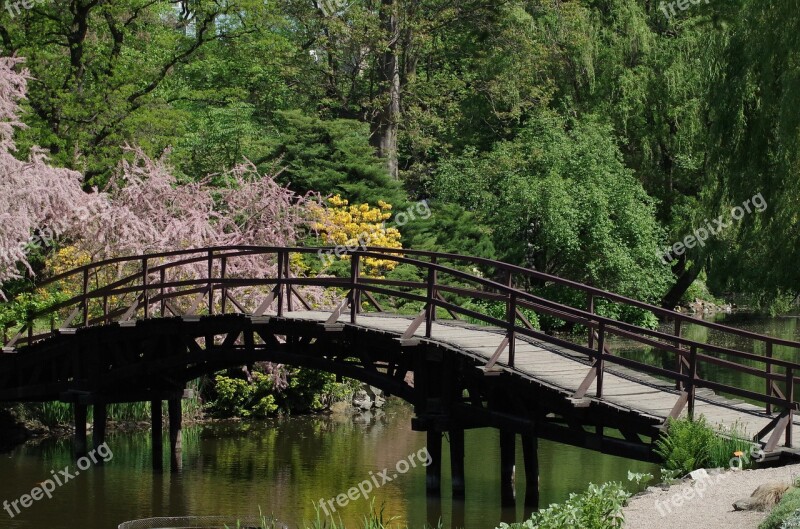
[756, 149]
[98, 67]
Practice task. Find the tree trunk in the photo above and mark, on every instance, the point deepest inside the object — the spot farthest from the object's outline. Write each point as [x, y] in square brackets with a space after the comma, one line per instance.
[685, 280]
[386, 128]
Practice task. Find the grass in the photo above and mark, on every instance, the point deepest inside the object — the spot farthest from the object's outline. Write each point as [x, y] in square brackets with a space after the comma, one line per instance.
[55, 414]
[786, 514]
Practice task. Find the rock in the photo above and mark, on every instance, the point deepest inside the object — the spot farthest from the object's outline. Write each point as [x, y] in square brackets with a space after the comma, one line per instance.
[340, 407]
[700, 473]
[376, 395]
[362, 400]
[764, 497]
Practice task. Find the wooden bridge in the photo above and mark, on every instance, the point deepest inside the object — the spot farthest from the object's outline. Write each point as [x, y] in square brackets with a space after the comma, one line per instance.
[461, 349]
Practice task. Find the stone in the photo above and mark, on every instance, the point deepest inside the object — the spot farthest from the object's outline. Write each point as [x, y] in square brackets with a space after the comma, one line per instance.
[362, 400]
[763, 498]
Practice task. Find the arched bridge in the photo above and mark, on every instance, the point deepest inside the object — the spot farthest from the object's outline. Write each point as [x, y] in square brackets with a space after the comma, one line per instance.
[459, 344]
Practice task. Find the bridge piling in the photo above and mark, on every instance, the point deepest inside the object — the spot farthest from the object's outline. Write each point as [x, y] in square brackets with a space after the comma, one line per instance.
[80, 413]
[175, 434]
[530, 451]
[507, 458]
[457, 462]
[433, 472]
[157, 434]
[99, 420]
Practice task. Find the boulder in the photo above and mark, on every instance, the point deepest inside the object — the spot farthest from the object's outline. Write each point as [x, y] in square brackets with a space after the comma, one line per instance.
[763, 498]
[362, 400]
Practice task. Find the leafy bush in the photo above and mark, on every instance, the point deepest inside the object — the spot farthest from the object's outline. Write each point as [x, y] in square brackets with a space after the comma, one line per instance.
[237, 397]
[688, 445]
[600, 507]
[286, 390]
[786, 513]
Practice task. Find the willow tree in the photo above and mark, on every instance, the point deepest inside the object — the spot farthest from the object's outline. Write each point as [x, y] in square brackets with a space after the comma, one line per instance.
[756, 145]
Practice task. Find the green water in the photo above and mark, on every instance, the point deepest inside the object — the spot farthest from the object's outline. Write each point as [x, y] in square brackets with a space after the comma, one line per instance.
[287, 466]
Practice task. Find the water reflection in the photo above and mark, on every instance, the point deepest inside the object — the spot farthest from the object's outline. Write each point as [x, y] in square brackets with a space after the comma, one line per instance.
[286, 467]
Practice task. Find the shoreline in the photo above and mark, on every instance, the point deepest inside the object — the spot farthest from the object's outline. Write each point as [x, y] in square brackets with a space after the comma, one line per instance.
[709, 506]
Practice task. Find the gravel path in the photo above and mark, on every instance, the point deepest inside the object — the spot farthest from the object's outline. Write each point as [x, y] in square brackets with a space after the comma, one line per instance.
[707, 503]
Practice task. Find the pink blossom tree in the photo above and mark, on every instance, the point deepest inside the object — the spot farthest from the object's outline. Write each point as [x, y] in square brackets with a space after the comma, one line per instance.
[144, 209]
[34, 196]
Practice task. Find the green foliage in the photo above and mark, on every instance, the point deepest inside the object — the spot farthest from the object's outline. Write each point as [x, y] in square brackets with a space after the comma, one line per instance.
[497, 309]
[786, 514]
[756, 149]
[688, 445]
[559, 199]
[698, 290]
[307, 390]
[60, 414]
[236, 397]
[600, 507]
[333, 157]
[311, 390]
[792, 521]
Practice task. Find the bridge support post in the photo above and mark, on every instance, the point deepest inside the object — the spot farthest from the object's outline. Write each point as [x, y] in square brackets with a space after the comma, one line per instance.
[507, 459]
[157, 434]
[433, 472]
[99, 420]
[530, 451]
[175, 434]
[79, 442]
[457, 462]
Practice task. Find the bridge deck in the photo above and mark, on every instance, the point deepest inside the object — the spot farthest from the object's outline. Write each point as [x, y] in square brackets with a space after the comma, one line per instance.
[566, 369]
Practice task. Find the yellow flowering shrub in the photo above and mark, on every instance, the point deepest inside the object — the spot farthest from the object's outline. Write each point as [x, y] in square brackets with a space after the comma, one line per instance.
[357, 225]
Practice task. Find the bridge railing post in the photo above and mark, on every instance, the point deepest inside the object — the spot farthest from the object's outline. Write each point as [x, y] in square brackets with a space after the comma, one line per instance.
[280, 282]
[678, 383]
[355, 289]
[85, 296]
[224, 289]
[768, 369]
[435, 293]
[601, 365]
[287, 272]
[590, 310]
[789, 404]
[145, 291]
[512, 325]
[690, 389]
[162, 277]
[210, 282]
[430, 308]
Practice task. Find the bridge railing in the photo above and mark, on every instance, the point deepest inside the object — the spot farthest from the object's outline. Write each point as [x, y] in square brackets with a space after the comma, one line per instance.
[214, 280]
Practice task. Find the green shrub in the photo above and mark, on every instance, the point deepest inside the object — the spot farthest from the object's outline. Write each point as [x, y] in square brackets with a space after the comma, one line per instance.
[688, 445]
[298, 391]
[786, 512]
[239, 398]
[600, 507]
